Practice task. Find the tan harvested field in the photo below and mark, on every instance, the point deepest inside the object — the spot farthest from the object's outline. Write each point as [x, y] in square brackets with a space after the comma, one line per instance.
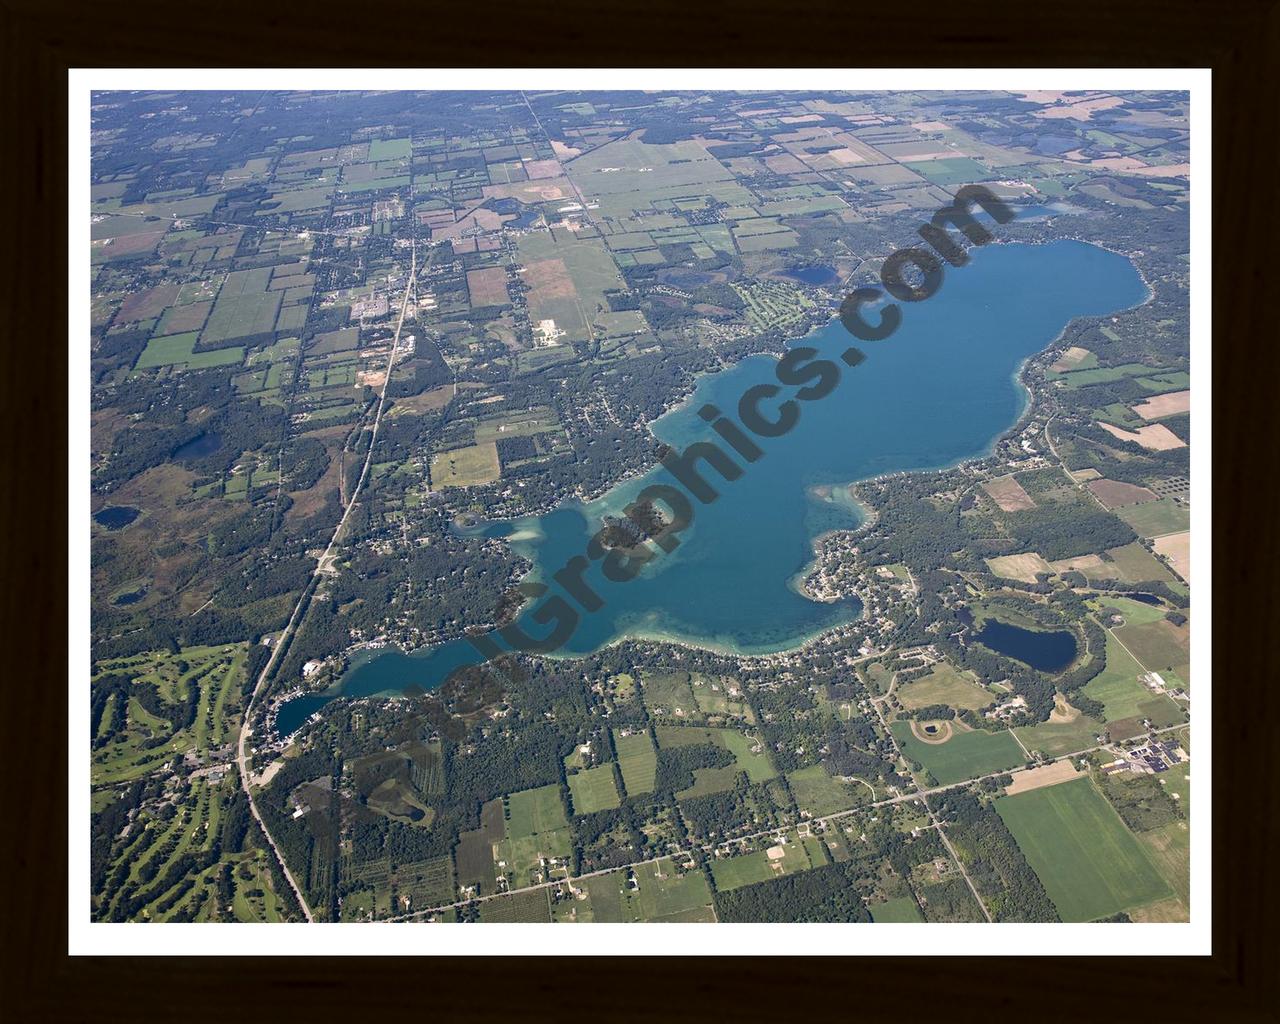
[541, 169]
[1019, 567]
[1081, 110]
[1156, 437]
[1085, 474]
[485, 220]
[1177, 548]
[1078, 564]
[428, 401]
[147, 304]
[488, 287]
[1070, 359]
[1006, 492]
[1165, 171]
[549, 279]
[1118, 163]
[1035, 96]
[1171, 910]
[1164, 405]
[845, 157]
[543, 191]
[785, 163]
[465, 467]
[1045, 775]
[1116, 494]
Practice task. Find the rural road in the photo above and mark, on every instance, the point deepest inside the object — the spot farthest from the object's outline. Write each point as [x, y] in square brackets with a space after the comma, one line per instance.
[919, 794]
[300, 608]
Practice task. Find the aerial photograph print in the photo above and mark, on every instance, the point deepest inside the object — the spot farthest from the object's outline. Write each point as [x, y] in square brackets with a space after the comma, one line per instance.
[519, 504]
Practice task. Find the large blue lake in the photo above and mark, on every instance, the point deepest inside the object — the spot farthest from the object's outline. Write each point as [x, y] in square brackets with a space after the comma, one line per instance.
[940, 390]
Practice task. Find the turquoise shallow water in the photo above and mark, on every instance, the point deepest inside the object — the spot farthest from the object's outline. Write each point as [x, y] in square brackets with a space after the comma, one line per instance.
[940, 390]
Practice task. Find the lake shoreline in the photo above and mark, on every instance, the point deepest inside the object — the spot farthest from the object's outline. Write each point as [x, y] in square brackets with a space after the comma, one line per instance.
[642, 628]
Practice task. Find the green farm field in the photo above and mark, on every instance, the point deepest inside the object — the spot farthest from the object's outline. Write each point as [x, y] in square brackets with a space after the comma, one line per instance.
[176, 350]
[966, 755]
[1089, 863]
[818, 793]
[944, 685]
[1158, 646]
[1064, 733]
[749, 753]
[956, 170]
[1122, 693]
[797, 855]
[662, 893]
[465, 467]
[593, 790]
[902, 910]
[536, 830]
[638, 761]
[532, 811]
[1138, 565]
[1156, 518]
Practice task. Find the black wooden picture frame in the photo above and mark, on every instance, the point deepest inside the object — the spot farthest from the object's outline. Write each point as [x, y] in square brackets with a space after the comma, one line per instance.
[41, 41]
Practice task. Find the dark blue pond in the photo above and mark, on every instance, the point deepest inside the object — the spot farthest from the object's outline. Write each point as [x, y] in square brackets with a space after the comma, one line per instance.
[294, 714]
[116, 517]
[816, 275]
[1042, 650]
[205, 444]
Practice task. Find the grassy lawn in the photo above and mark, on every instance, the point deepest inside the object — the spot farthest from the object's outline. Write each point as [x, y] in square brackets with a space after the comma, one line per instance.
[176, 350]
[465, 467]
[707, 781]
[1057, 738]
[532, 811]
[749, 753]
[944, 685]
[662, 893]
[1138, 565]
[1134, 612]
[593, 790]
[638, 760]
[669, 694]
[1122, 693]
[1156, 518]
[1089, 863]
[735, 872]
[712, 696]
[902, 910]
[966, 755]
[817, 792]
